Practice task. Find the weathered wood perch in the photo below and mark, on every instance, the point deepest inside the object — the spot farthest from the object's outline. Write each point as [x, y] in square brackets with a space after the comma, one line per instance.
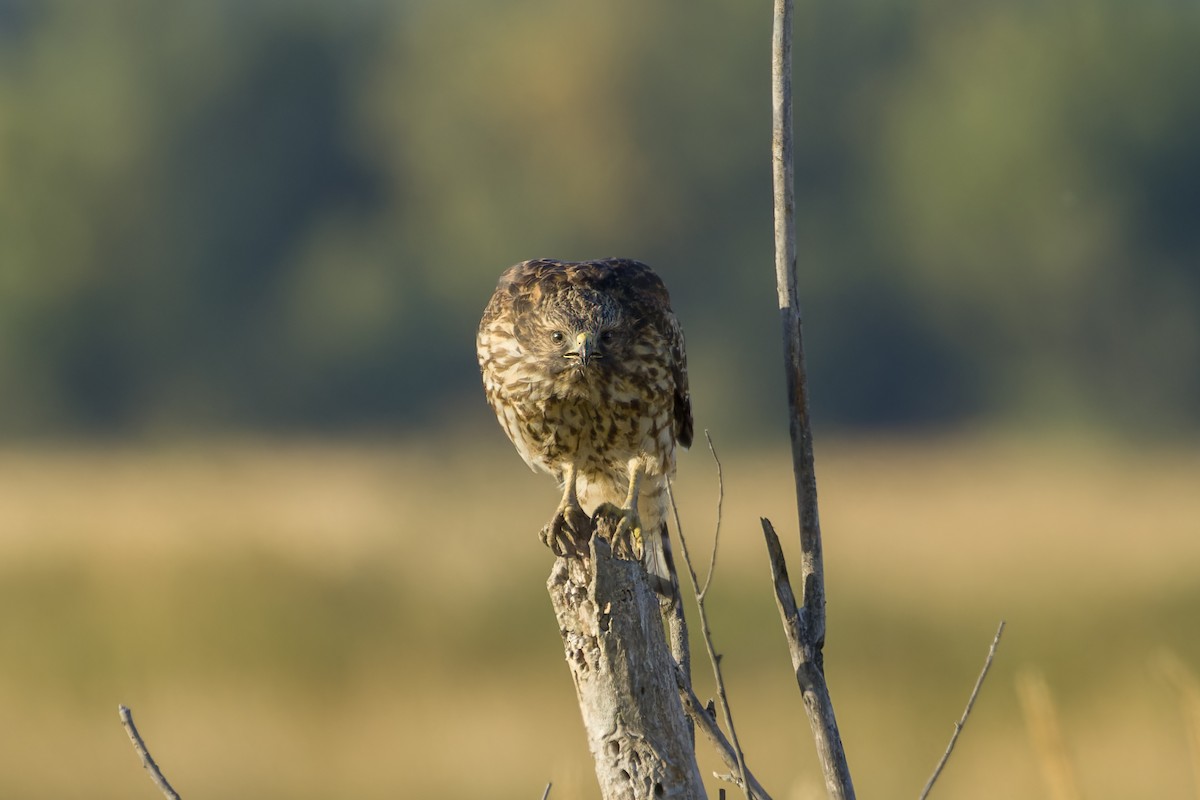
[625, 677]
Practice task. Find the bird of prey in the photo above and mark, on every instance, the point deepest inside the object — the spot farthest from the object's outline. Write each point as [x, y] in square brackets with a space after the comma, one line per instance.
[584, 365]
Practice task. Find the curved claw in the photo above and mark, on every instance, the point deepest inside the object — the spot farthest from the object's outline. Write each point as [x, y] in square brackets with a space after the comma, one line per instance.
[566, 532]
[627, 537]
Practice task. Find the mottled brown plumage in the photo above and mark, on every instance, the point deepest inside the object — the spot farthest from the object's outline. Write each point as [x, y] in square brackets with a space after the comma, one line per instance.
[584, 365]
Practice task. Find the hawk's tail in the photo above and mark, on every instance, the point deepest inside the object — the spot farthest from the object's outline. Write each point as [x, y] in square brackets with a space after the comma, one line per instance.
[660, 563]
[660, 566]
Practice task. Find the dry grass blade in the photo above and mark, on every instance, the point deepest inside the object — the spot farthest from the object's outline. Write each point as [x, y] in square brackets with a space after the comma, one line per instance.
[1185, 683]
[958, 726]
[1041, 719]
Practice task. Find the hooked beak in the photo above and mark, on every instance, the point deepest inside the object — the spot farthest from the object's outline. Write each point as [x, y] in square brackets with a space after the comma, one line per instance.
[584, 350]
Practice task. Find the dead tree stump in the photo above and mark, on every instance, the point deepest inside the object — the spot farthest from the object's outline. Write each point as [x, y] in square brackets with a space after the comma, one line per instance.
[625, 677]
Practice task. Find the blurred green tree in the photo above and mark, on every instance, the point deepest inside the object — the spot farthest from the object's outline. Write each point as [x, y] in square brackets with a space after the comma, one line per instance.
[288, 215]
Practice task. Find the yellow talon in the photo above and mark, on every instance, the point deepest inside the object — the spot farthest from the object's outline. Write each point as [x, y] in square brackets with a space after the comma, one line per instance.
[627, 538]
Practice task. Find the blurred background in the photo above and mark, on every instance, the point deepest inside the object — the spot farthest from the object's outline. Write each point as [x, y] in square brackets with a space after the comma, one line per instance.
[249, 485]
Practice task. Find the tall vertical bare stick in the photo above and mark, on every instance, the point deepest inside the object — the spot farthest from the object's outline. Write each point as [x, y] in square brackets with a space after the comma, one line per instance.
[812, 568]
[808, 627]
[809, 668]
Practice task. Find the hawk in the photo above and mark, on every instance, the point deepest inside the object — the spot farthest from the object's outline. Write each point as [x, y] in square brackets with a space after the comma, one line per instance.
[584, 365]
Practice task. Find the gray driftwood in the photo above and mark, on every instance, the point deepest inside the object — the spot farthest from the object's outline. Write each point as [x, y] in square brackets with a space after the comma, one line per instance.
[625, 677]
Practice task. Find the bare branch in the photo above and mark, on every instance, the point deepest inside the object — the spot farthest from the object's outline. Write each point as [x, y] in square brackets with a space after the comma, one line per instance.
[810, 674]
[712, 564]
[147, 761]
[810, 627]
[697, 712]
[546, 793]
[958, 726]
[706, 632]
[812, 567]
[784, 598]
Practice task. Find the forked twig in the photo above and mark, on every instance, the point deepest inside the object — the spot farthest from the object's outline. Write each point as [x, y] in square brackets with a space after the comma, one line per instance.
[958, 726]
[706, 631]
[147, 760]
[807, 662]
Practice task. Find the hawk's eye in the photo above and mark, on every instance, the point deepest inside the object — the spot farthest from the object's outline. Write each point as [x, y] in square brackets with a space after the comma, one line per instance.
[557, 337]
[606, 337]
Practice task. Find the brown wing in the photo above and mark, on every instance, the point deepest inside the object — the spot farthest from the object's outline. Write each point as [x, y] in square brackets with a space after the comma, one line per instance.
[519, 290]
[683, 395]
[641, 290]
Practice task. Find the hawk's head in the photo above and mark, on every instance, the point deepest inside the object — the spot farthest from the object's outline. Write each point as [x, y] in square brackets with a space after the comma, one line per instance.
[577, 335]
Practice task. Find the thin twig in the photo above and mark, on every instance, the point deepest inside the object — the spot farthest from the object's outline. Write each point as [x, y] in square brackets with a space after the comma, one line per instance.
[712, 564]
[546, 793]
[147, 760]
[958, 726]
[696, 711]
[706, 631]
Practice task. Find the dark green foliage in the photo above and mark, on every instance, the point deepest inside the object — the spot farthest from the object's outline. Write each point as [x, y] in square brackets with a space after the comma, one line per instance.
[289, 215]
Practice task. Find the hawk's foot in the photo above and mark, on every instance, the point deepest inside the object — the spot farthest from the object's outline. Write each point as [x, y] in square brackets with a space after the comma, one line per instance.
[566, 534]
[627, 539]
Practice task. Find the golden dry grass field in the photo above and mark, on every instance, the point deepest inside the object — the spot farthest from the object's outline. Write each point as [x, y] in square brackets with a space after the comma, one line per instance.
[334, 620]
